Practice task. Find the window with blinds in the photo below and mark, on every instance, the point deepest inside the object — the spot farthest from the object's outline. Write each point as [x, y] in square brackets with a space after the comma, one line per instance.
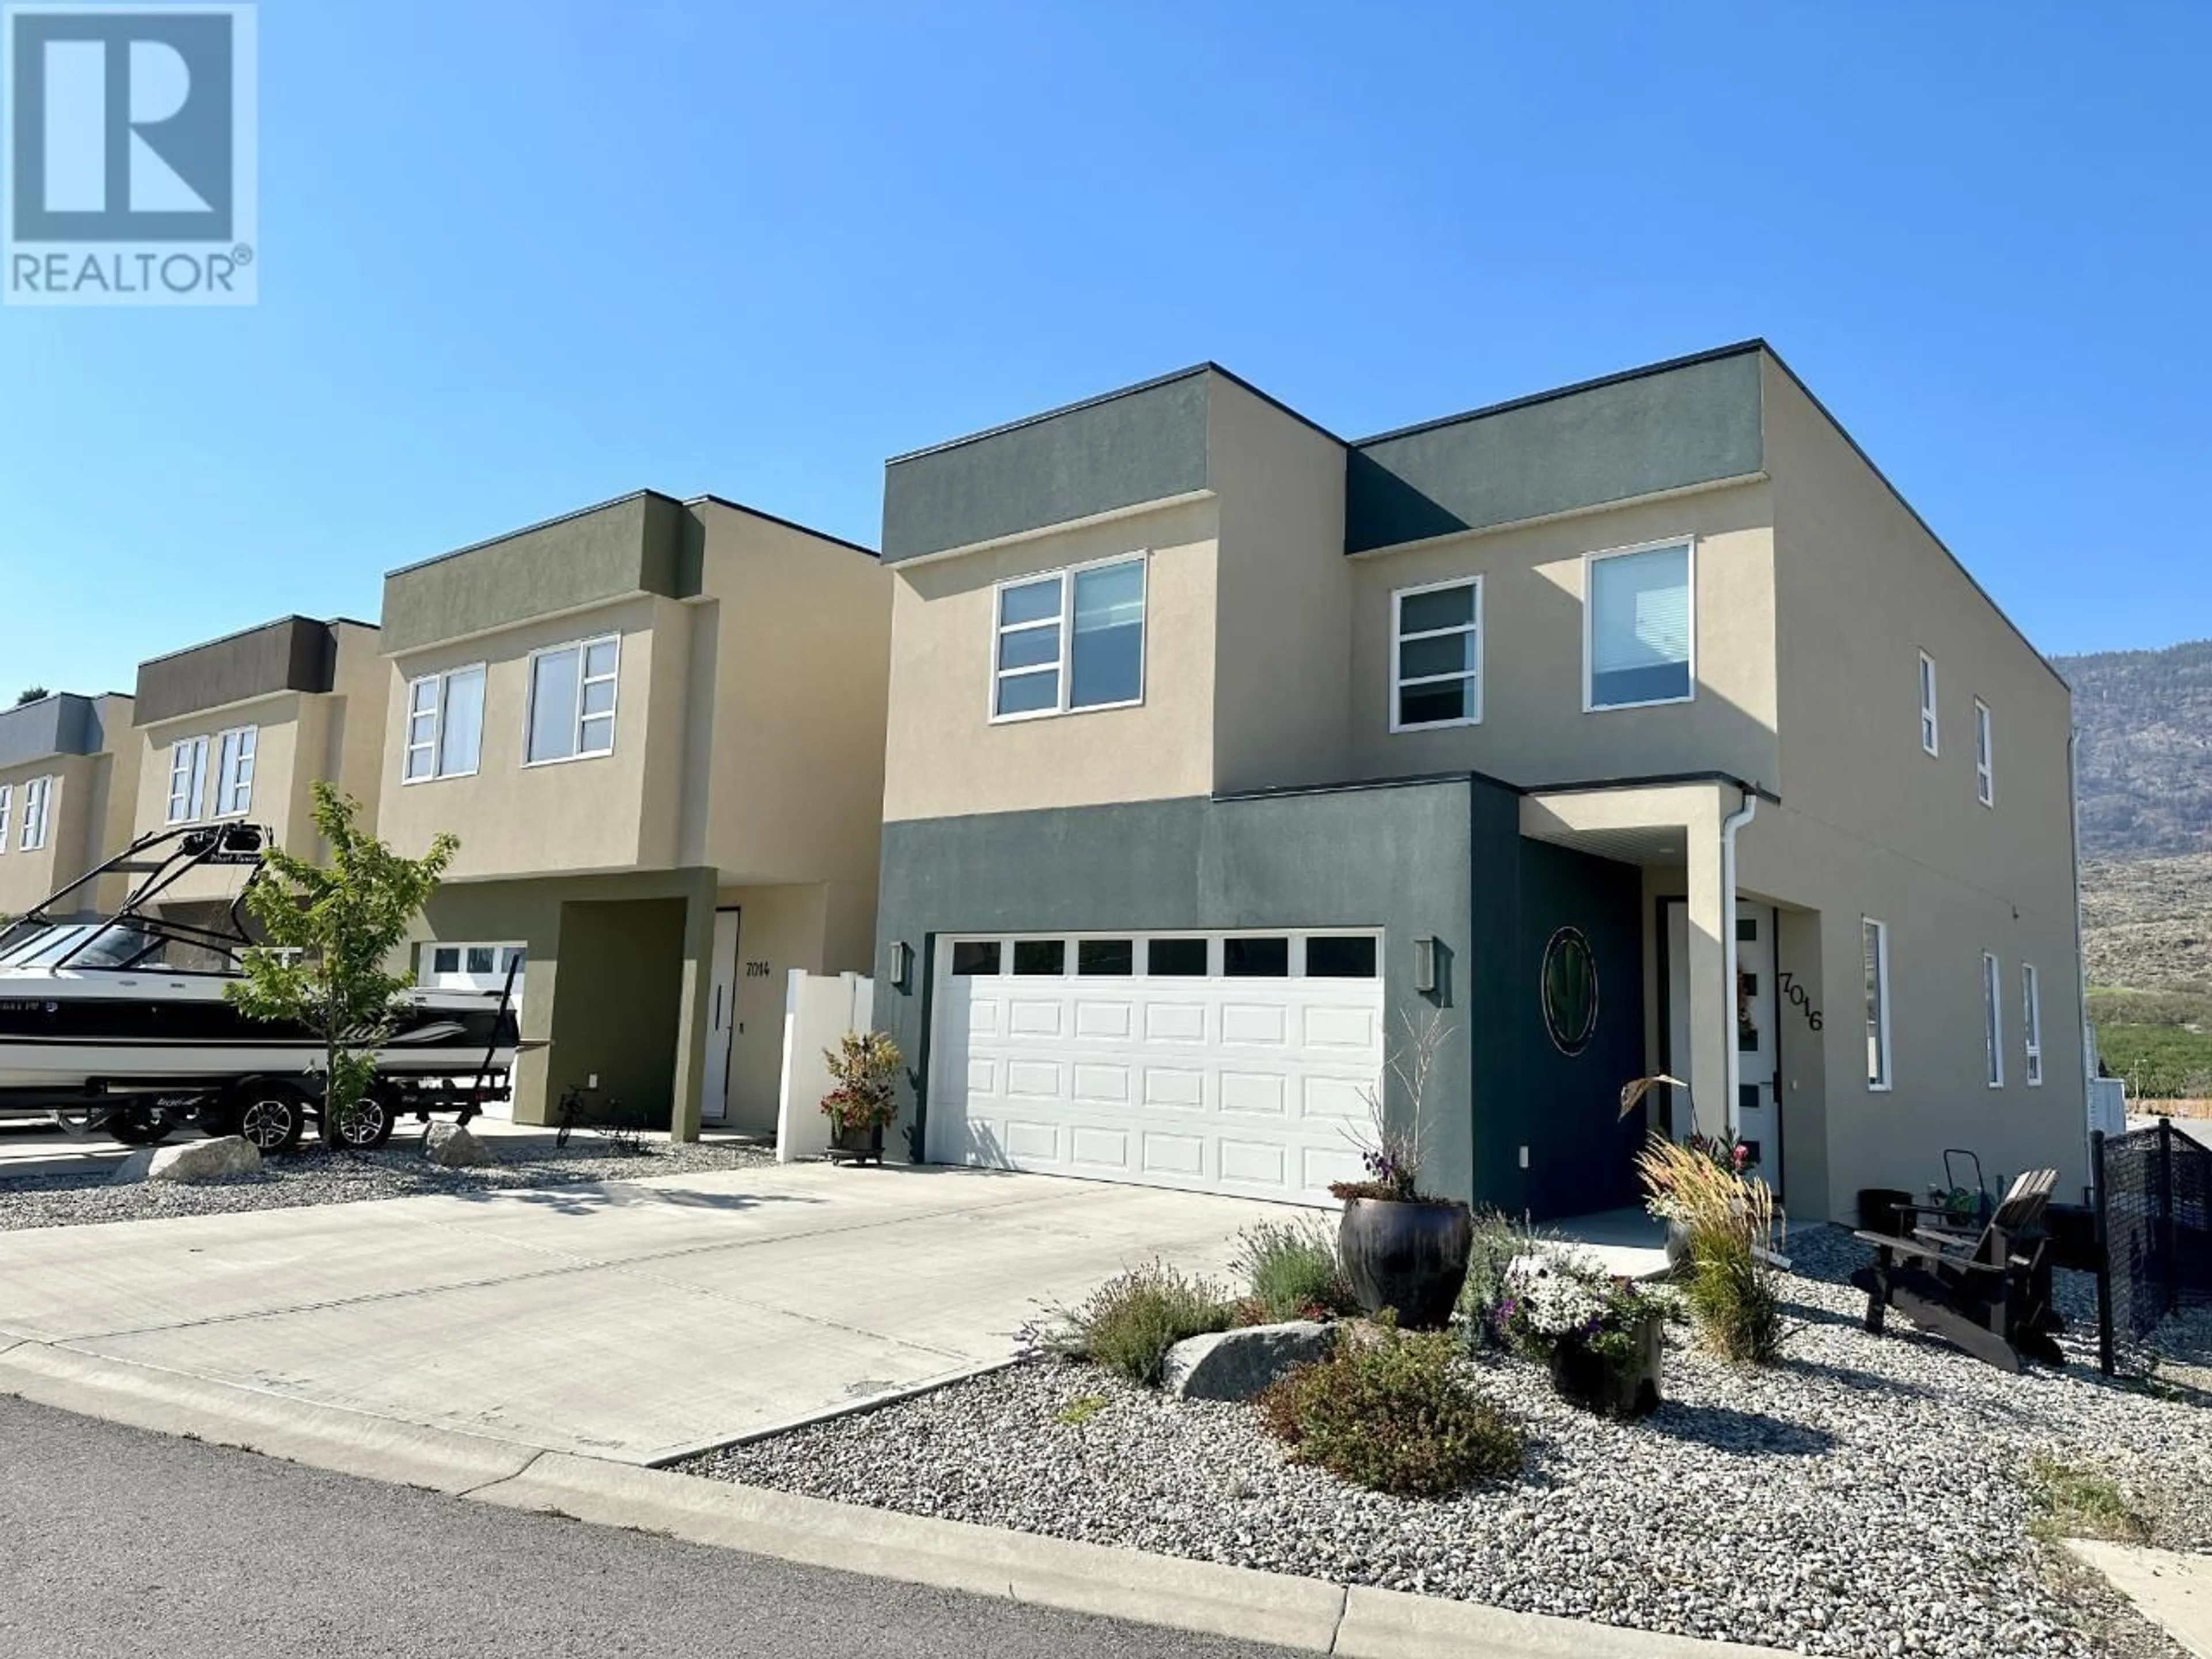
[1641, 621]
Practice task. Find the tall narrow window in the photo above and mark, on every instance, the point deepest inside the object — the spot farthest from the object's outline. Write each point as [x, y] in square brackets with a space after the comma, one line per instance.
[444, 724]
[234, 772]
[1640, 619]
[37, 808]
[1436, 655]
[572, 701]
[187, 779]
[1992, 1021]
[1984, 783]
[6, 812]
[1928, 734]
[1875, 938]
[2030, 1018]
[1069, 640]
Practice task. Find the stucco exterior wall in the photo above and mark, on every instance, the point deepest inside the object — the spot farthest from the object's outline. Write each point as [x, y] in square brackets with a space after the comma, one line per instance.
[944, 757]
[1533, 730]
[291, 730]
[74, 823]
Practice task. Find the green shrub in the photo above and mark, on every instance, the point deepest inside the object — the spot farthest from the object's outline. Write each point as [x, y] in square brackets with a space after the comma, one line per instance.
[1728, 1216]
[1129, 1322]
[1499, 1241]
[1733, 1298]
[1391, 1414]
[1293, 1270]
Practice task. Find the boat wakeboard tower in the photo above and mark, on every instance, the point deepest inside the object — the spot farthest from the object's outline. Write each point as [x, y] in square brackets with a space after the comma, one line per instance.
[120, 1023]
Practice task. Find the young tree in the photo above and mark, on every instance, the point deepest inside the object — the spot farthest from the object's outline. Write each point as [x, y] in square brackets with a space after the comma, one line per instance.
[31, 693]
[331, 930]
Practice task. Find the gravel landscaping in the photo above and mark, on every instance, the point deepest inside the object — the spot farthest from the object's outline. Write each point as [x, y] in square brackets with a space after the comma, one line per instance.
[1866, 1497]
[313, 1175]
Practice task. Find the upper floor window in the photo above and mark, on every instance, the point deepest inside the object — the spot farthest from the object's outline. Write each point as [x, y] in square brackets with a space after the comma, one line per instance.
[1436, 655]
[572, 701]
[2030, 1014]
[6, 812]
[1928, 734]
[1640, 623]
[1992, 1020]
[444, 724]
[188, 764]
[1875, 940]
[38, 809]
[1984, 783]
[1069, 640]
[234, 791]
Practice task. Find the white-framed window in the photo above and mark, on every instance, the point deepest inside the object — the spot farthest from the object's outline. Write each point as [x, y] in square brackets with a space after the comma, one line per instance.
[444, 724]
[1985, 782]
[38, 811]
[1069, 640]
[1930, 734]
[1993, 1020]
[572, 701]
[6, 812]
[188, 764]
[234, 772]
[1436, 655]
[1874, 938]
[2030, 1021]
[1639, 626]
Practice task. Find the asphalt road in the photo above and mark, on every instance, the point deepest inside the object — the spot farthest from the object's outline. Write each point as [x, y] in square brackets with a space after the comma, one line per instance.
[117, 1543]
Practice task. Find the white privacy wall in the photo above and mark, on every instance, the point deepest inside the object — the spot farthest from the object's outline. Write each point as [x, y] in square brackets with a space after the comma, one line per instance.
[817, 1010]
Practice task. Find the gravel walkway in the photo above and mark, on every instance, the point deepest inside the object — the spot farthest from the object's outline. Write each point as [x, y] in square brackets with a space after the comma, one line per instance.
[1862, 1499]
[313, 1175]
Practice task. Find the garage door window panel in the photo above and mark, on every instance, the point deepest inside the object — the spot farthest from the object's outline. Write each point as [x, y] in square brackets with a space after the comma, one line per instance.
[1341, 955]
[1176, 958]
[974, 957]
[1045, 958]
[1106, 957]
[1255, 958]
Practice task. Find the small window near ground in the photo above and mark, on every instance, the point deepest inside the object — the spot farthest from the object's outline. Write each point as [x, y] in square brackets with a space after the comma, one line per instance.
[1876, 943]
[1043, 957]
[1176, 958]
[1992, 1021]
[1436, 655]
[1985, 778]
[1348, 955]
[1106, 957]
[1255, 958]
[2031, 1017]
[1641, 623]
[975, 955]
[1930, 734]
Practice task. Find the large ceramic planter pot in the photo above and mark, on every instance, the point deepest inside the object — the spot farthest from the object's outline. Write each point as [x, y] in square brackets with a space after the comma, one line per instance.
[857, 1143]
[1612, 1388]
[1410, 1258]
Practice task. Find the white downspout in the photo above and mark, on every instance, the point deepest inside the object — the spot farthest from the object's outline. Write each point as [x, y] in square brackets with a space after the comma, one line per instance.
[1729, 825]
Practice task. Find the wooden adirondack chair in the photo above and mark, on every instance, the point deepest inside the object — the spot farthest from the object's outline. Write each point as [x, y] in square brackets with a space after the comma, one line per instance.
[1988, 1292]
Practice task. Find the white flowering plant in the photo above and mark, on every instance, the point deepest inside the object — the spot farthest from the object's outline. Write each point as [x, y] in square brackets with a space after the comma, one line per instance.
[1556, 1297]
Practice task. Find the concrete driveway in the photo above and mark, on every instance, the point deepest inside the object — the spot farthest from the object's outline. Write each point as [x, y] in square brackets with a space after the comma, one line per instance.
[631, 1321]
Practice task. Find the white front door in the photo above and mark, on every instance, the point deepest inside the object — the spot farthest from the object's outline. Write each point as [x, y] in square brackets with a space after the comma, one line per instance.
[1218, 1063]
[1754, 1113]
[721, 1014]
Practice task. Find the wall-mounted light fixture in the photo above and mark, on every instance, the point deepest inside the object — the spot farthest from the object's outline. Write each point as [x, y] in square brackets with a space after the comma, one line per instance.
[901, 966]
[1424, 965]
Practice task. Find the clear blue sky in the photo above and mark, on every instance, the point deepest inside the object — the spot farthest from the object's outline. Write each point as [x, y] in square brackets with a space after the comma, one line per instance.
[521, 255]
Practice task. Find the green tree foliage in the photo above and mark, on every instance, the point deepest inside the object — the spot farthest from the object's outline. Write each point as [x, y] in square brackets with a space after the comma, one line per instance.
[331, 931]
[31, 693]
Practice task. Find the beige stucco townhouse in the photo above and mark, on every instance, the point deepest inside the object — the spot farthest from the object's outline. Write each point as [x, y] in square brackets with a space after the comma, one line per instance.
[657, 727]
[1637, 727]
[69, 779]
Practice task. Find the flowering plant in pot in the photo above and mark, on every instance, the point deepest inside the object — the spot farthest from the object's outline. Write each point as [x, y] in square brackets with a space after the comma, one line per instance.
[1600, 1336]
[1401, 1251]
[865, 1068]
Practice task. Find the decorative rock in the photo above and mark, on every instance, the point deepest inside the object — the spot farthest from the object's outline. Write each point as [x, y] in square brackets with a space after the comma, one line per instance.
[1240, 1363]
[225, 1158]
[450, 1146]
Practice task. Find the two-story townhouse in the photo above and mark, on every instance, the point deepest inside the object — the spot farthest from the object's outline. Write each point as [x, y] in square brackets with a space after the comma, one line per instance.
[66, 799]
[657, 728]
[1639, 727]
[242, 728]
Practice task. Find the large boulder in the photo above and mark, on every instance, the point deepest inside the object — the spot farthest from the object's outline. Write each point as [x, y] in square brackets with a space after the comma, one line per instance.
[1240, 1363]
[224, 1158]
[450, 1146]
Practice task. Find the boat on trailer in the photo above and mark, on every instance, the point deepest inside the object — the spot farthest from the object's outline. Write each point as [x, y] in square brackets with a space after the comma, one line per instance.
[121, 1022]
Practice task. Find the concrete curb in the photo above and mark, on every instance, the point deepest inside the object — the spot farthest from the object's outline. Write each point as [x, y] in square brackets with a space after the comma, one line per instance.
[168, 1402]
[2173, 1591]
[1305, 1614]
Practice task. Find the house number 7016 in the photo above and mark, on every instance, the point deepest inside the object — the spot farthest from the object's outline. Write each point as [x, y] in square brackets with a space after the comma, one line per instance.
[1799, 999]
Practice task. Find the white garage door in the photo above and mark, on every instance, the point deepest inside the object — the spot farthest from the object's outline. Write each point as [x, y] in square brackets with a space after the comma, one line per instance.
[1230, 1063]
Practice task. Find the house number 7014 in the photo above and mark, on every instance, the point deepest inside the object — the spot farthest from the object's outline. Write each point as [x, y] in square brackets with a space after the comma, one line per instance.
[1799, 999]
[756, 970]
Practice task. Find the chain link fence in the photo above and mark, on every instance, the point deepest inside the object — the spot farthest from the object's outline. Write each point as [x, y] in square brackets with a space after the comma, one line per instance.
[2154, 1203]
